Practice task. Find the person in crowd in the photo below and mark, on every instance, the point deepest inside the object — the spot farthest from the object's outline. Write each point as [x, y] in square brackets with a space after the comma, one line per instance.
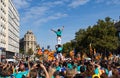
[34, 72]
[21, 72]
[60, 69]
[82, 73]
[59, 49]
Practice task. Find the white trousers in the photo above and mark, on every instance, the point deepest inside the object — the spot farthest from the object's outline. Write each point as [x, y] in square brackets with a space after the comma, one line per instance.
[59, 56]
[58, 40]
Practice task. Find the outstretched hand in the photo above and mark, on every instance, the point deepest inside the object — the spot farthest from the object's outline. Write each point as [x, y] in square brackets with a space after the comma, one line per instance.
[62, 27]
[52, 30]
[42, 66]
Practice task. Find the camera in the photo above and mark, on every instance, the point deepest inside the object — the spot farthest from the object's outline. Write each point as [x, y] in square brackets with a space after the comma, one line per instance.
[27, 58]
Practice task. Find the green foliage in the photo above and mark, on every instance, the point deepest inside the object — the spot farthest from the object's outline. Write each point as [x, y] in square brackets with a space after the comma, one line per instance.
[37, 55]
[102, 36]
[21, 51]
[30, 51]
[67, 47]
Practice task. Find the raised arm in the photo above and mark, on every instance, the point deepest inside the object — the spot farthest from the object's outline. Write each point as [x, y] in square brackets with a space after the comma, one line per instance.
[62, 28]
[46, 73]
[5, 65]
[29, 64]
[53, 30]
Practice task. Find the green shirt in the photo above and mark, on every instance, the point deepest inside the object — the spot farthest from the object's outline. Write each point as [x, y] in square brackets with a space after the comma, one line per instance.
[20, 74]
[58, 68]
[59, 33]
[59, 49]
[69, 65]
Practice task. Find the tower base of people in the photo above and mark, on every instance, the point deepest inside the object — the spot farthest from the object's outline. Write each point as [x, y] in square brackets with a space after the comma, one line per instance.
[59, 56]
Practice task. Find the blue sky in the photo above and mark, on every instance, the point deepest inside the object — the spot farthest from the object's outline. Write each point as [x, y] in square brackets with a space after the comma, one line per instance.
[42, 15]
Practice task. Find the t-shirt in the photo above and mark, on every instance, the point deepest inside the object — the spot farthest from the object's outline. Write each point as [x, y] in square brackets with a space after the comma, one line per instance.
[63, 69]
[110, 73]
[69, 65]
[20, 74]
[106, 71]
[96, 71]
[59, 49]
[58, 68]
[59, 33]
[78, 68]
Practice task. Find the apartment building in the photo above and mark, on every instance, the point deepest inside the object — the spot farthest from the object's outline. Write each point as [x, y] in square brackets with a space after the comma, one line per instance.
[28, 42]
[9, 29]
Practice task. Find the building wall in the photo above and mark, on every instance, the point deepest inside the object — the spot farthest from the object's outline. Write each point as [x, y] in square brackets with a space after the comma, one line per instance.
[13, 29]
[9, 28]
[3, 27]
[29, 41]
[3, 22]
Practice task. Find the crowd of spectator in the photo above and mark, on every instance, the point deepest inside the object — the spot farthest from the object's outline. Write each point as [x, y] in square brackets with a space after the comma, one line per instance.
[70, 68]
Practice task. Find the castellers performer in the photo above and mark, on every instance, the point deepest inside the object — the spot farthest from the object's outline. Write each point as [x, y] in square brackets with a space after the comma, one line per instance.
[58, 33]
[59, 49]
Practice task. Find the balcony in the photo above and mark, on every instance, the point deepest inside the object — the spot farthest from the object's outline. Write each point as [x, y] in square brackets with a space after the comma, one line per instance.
[3, 33]
[3, 41]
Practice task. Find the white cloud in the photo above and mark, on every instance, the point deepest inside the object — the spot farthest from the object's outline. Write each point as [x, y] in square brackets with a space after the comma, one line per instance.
[99, 1]
[53, 3]
[76, 3]
[52, 17]
[109, 2]
[21, 4]
[34, 14]
[116, 2]
[42, 13]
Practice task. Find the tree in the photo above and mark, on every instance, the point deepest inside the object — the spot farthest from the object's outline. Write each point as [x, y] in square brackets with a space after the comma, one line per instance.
[102, 36]
[117, 25]
[67, 48]
[21, 51]
[30, 51]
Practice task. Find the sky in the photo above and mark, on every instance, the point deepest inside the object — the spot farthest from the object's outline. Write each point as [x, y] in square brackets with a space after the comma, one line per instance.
[40, 16]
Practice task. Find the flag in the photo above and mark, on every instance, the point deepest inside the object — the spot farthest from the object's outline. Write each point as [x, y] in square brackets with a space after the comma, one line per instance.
[39, 51]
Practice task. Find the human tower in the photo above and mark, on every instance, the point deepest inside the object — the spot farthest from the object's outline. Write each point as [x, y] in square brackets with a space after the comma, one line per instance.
[59, 47]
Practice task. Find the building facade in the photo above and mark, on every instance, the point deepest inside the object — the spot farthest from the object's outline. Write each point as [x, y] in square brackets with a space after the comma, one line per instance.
[9, 29]
[29, 42]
